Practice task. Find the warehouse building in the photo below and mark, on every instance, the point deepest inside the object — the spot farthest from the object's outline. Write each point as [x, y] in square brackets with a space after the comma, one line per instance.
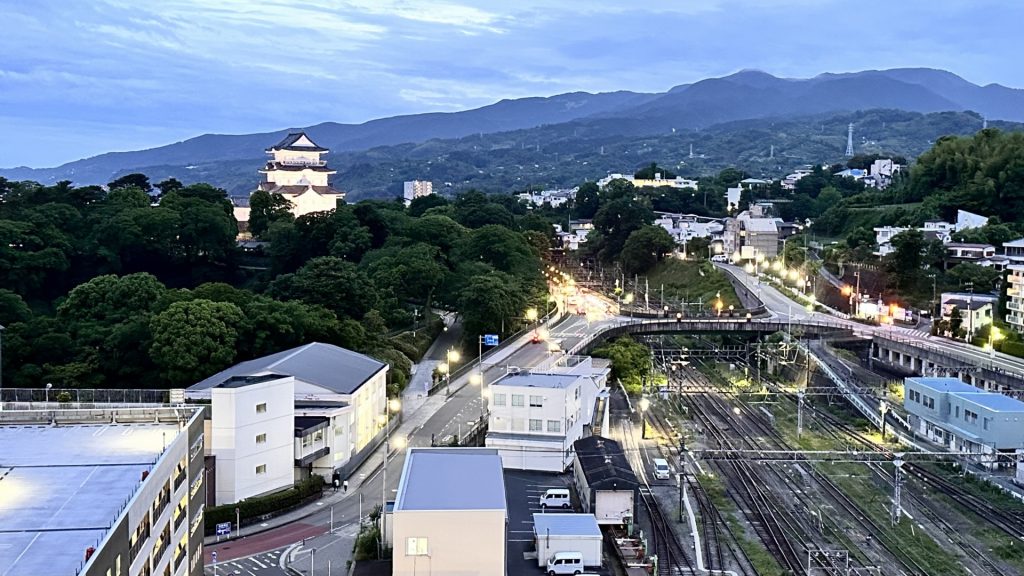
[965, 418]
[450, 513]
[101, 492]
[556, 532]
[604, 480]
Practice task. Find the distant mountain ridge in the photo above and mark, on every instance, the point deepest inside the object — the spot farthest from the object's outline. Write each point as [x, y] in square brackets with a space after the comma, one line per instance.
[748, 94]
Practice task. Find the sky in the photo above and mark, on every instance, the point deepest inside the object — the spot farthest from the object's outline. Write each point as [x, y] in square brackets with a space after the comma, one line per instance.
[83, 77]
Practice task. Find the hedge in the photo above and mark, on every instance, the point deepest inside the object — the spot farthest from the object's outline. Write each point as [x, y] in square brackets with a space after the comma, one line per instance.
[1012, 348]
[259, 506]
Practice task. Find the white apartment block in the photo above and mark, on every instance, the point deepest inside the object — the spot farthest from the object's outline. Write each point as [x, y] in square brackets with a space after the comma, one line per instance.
[1015, 297]
[280, 418]
[414, 189]
[536, 416]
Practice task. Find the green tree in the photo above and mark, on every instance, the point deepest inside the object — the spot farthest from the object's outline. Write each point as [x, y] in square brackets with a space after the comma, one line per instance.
[111, 299]
[140, 181]
[651, 170]
[631, 362]
[195, 339]
[420, 205]
[983, 279]
[907, 255]
[587, 201]
[266, 208]
[331, 282]
[490, 302]
[644, 248]
[615, 221]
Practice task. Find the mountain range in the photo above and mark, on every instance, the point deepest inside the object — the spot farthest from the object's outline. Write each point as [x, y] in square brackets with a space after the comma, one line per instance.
[745, 95]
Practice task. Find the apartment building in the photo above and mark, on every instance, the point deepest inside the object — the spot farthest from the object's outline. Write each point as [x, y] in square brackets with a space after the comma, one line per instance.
[314, 409]
[416, 189]
[100, 492]
[536, 416]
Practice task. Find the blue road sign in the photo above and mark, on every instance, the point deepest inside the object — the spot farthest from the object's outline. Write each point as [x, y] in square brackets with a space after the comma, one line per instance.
[490, 339]
[224, 528]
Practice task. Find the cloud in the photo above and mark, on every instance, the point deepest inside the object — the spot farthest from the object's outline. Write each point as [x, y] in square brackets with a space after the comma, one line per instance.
[160, 69]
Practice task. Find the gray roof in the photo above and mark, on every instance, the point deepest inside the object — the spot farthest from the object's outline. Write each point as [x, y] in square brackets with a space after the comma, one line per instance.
[992, 400]
[760, 225]
[67, 485]
[566, 525]
[451, 479]
[336, 369]
[537, 380]
[288, 143]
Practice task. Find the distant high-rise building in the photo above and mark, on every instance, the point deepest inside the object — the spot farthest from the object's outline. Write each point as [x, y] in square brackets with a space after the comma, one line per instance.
[849, 140]
[417, 189]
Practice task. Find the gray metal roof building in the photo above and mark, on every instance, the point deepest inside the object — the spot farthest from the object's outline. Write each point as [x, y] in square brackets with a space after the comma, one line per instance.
[331, 367]
[451, 479]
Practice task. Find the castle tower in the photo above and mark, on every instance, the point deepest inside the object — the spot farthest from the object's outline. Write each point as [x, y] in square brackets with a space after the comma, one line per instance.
[849, 140]
[297, 172]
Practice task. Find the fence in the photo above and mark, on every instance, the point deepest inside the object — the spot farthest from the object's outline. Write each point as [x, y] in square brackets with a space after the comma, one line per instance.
[64, 398]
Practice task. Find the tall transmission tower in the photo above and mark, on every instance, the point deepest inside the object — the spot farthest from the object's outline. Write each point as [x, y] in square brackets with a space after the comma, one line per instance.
[691, 150]
[849, 140]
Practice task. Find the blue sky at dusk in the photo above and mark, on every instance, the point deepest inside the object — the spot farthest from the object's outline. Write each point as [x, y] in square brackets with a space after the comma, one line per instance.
[82, 78]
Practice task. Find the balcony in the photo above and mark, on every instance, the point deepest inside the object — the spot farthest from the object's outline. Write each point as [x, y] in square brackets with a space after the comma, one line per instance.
[179, 518]
[161, 505]
[179, 479]
[179, 557]
[158, 552]
[134, 549]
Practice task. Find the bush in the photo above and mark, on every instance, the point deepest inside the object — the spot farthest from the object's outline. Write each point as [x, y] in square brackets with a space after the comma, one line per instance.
[260, 506]
[1012, 348]
[366, 546]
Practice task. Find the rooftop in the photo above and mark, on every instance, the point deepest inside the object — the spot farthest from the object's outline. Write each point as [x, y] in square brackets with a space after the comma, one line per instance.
[297, 141]
[62, 487]
[969, 304]
[537, 380]
[566, 525]
[992, 400]
[604, 462]
[760, 225]
[336, 369]
[1018, 243]
[451, 479]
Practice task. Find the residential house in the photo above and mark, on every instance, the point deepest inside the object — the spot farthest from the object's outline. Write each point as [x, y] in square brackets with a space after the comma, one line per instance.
[606, 483]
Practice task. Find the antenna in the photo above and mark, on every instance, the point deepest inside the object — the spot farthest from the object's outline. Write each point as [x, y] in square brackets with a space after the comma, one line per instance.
[984, 122]
[849, 140]
[772, 154]
[691, 150]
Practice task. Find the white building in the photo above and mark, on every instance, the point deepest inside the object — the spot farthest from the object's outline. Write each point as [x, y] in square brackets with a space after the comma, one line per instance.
[732, 199]
[450, 513]
[577, 234]
[416, 189]
[315, 409]
[746, 237]
[932, 229]
[297, 172]
[1015, 297]
[559, 532]
[685, 227]
[536, 416]
[102, 491]
[789, 182]
[554, 198]
[966, 220]
[657, 181]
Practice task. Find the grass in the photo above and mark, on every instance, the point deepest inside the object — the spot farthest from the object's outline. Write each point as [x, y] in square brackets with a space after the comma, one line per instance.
[760, 559]
[692, 281]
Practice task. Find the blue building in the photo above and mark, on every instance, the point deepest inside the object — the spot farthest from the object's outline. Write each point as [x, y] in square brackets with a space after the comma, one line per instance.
[964, 418]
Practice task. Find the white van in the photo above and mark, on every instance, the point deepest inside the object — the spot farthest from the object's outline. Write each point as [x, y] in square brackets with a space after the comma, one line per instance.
[661, 469]
[556, 498]
[565, 563]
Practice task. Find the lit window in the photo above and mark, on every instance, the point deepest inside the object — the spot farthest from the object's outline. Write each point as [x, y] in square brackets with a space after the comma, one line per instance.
[499, 399]
[261, 408]
[261, 438]
[535, 425]
[261, 469]
[536, 401]
[517, 399]
[417, 547]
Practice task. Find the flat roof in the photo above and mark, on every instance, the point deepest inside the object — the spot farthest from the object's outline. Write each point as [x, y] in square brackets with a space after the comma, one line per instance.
[61, 488]
[537, 380]
[760, 225]
[451, 479]
[992, 400]
[566, 525]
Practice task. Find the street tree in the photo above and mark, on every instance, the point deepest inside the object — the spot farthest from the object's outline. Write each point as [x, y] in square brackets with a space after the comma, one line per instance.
[192, 340]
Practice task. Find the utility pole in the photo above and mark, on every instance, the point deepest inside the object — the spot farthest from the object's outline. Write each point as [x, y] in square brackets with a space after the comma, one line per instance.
[897, 509]
[799, 413]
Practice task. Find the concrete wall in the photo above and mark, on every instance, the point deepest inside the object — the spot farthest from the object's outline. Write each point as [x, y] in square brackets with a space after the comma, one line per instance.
[460, 543]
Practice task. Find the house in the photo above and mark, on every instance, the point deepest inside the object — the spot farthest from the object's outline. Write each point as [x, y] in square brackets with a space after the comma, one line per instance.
[450, 513]
[536, 416]
[314, 409]
[957, 252]
[976, 310]
[964, 418]
[966, 220]
[604, 480]
[685, 227]
[932, 230]
[553, 198]
[732, 199]
[789, 182]
[297, 172]
[414, 189]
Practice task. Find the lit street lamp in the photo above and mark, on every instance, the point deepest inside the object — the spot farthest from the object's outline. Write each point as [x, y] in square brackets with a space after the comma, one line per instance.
[452, 356]
[994, 335]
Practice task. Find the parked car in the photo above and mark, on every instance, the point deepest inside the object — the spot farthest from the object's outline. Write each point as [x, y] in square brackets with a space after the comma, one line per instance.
[556, 498]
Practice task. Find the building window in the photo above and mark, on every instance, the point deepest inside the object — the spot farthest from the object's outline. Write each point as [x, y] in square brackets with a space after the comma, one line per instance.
[517, 399]
[971, 417]
[577, 392]
[536, 401]
[261, 438]
[536, 425]
[261, 469]
[929, 402]
[499, 399]
[261, 408]
[417, 546]
[554, 426]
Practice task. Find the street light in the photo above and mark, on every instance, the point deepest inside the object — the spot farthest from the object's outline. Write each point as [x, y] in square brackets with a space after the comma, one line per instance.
[531, 314]
[48, 386]
[644, 405]
[994, 335]
[477, 379]
[452, 356]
